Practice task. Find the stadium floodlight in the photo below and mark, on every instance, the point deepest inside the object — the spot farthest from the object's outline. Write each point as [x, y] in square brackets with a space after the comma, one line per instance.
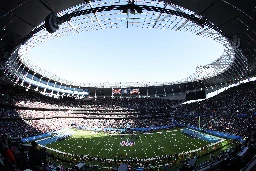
[132, 8]
[52, 23]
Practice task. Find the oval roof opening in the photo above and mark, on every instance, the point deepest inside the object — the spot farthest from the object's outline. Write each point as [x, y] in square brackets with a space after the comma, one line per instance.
[126, 55]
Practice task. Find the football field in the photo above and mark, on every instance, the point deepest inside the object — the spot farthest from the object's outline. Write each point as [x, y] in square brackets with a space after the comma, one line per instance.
[101, 144]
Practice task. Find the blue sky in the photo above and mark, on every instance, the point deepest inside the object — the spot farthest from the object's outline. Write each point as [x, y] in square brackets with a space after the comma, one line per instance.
[126, 55]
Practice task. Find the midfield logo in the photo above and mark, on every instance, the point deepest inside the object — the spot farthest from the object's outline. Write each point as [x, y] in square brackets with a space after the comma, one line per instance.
[127, 143]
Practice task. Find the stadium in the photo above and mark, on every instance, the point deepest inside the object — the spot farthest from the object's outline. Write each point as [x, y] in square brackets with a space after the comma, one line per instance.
[205, 121]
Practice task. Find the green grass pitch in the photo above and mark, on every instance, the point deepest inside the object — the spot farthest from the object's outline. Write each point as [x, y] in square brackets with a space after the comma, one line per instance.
[147, 145]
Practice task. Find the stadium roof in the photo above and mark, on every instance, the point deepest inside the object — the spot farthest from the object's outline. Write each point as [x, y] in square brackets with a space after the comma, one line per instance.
[234, 18]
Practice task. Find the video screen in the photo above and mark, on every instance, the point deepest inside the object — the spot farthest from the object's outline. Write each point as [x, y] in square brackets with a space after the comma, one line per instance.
[117, 91]
[196, 95]
[86, 90]
[135, 91]
[125, 91]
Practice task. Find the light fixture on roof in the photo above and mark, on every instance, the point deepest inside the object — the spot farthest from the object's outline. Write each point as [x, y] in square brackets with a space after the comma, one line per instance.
[132, 8]
[52, 21]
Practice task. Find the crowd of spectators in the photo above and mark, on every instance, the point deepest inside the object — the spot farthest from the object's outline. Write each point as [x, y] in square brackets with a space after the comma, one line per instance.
[114, 112]
[18, 128]
[28, 128]
[32, 114]
[232, 111]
